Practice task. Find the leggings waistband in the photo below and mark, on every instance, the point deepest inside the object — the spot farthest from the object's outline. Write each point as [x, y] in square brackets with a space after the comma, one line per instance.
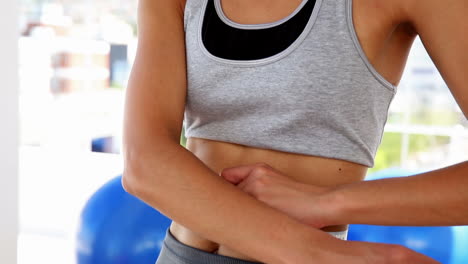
[182, 253]
[173, 251]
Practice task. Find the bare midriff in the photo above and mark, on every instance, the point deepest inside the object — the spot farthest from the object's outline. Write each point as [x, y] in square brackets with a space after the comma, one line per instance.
[315, 170]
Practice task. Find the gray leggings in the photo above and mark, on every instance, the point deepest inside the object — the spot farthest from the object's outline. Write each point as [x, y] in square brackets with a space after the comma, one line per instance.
[174, 252]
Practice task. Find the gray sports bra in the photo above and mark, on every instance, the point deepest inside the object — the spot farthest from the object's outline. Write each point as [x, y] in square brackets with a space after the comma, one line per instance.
[301, 84]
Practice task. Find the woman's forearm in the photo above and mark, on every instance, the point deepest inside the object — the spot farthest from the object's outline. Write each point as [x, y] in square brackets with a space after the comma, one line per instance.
[433, 198]
[179, 185]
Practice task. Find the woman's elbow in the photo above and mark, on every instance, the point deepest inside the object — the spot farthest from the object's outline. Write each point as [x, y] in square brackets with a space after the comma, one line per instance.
[133, 175]
[127, 183]
[143, 168]
[139, 184]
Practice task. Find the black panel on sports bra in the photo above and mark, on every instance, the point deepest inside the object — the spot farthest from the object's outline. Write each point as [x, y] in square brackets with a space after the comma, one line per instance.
[227, 42]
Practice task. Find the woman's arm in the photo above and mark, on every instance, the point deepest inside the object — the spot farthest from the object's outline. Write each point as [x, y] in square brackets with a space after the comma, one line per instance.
[438, 197]
[434, 198]
[171, 179]
[442, 27]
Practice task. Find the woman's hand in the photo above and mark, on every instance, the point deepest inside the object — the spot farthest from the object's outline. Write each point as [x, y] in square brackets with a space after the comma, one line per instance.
[303, 202]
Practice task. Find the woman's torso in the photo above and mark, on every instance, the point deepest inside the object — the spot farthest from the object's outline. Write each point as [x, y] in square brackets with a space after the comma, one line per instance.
[386, 42]
[307, 169]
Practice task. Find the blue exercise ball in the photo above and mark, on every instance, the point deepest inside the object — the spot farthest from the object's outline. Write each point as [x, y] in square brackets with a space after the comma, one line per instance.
[118, 228]
[448, 245]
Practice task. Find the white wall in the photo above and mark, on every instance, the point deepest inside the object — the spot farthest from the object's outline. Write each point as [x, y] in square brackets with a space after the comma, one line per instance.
[8, 131]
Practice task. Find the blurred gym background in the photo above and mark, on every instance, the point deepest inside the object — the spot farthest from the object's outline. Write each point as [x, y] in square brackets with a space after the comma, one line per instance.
[74, 58]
